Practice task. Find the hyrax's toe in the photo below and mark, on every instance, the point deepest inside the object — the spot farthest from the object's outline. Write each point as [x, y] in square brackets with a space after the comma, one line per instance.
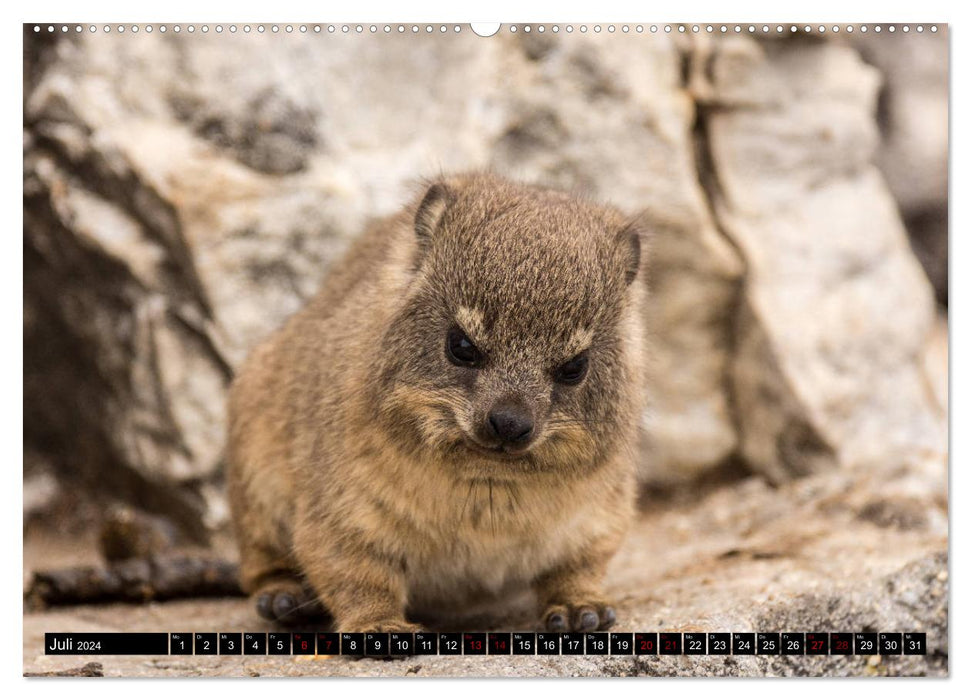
[557, 619]
[286, 602]
[579, 617]
[585, 620]
[284, 605]
[388, 625]
[264, 606]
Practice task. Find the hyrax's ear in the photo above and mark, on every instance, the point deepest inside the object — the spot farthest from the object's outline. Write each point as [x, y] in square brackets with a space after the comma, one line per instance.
[630, 239]
[429, 214]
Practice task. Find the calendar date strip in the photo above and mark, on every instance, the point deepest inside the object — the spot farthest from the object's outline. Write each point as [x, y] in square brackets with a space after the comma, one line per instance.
[485, 643]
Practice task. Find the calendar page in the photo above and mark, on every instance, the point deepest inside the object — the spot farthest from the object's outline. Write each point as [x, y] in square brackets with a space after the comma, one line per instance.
[432, 349]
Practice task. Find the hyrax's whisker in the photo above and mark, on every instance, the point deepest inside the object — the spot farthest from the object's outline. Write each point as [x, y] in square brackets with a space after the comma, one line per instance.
[426, 387]
[492, 512]
[513, 492]
[310, 602]
[579, 421]
[468, 497]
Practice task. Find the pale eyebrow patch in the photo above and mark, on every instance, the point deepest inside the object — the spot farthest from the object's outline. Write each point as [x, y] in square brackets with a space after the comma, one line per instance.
[472, 322]
[581, 339]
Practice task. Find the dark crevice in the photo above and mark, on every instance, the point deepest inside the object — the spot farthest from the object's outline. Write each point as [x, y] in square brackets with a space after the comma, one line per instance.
[206, 341]
[39, 53]
[928, 235]
[141, 201]
[70, 386]
[158, 218]
[798, 434]
[707, 175]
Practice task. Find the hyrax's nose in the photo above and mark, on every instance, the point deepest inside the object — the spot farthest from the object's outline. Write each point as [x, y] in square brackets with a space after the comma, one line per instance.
[511, 423]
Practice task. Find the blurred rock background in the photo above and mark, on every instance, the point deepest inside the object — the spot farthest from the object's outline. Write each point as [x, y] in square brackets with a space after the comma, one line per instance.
[184, 193]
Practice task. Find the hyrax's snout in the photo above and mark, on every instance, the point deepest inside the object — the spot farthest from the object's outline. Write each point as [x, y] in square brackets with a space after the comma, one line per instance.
[511, 423]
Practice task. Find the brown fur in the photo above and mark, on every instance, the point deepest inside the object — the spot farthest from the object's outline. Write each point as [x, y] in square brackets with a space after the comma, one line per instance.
[353, 479]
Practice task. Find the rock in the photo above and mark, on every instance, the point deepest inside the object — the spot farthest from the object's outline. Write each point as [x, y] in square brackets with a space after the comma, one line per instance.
[835, 311]
[268, 132]
[913, 156]
[181, 200]
[41, 490]
[89, 670]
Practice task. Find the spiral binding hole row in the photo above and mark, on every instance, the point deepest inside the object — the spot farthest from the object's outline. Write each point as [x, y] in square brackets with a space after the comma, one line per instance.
[513, 28]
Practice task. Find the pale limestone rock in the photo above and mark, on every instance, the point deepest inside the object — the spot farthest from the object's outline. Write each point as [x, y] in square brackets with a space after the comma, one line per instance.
[835, 311]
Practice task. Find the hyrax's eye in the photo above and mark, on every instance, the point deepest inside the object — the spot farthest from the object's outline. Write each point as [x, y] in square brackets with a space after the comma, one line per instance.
[460, 349]
[572, 371]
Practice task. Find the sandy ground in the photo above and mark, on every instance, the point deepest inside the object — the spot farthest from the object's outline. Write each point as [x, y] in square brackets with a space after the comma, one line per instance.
[833, 552]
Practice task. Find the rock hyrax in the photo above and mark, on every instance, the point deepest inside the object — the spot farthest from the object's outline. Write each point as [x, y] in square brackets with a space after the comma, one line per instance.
[450, 419]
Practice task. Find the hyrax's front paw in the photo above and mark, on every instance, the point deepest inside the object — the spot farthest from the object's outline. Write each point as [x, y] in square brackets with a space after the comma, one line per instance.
[387, 625]
[579, 616]
[287, 601]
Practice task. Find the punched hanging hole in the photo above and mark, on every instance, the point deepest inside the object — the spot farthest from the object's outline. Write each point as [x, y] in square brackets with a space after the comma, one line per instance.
[485, 29]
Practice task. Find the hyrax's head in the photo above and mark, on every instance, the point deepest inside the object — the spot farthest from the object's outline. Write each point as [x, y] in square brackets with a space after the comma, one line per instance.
[517, 346]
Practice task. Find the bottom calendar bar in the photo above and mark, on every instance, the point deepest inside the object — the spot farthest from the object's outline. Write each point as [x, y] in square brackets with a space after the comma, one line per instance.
[486, 643]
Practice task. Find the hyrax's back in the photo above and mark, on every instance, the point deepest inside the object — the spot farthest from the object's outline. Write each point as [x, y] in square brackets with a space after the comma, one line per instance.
[461, 396]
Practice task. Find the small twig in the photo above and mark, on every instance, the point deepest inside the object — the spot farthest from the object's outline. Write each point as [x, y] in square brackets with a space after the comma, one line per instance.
[158, 577]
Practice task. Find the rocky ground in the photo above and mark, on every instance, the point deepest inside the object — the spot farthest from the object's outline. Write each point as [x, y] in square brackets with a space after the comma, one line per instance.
[833, 552]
